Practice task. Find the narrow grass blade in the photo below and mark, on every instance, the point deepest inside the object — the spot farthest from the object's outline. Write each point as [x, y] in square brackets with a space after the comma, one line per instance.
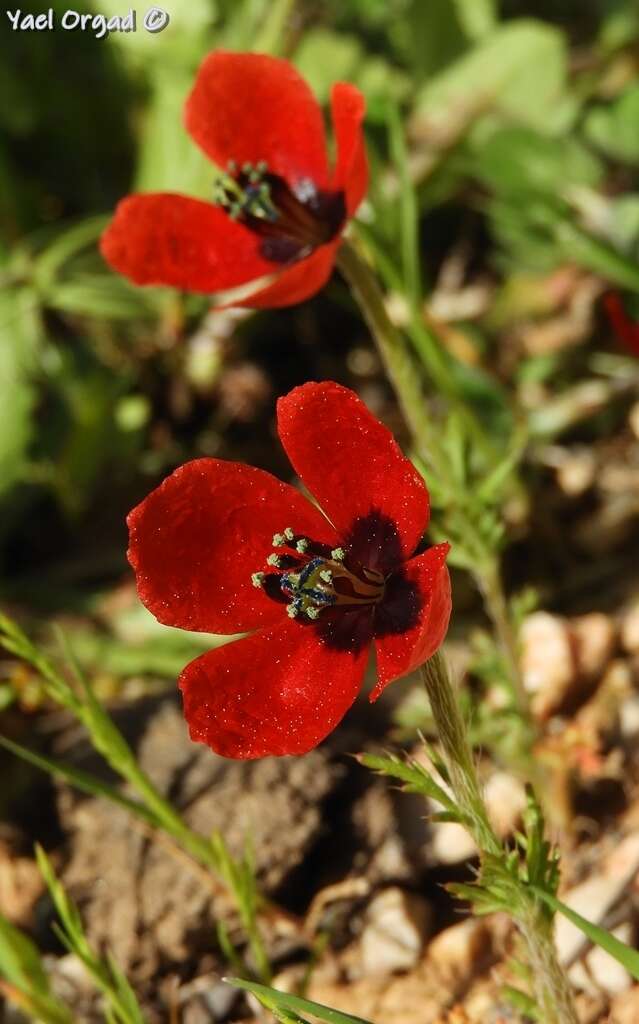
[623, 954]
[284, 1002]
[81, 780]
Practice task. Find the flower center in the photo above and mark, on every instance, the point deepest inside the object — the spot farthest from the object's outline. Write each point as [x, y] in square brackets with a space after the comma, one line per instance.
[313, 577]
[291, 224]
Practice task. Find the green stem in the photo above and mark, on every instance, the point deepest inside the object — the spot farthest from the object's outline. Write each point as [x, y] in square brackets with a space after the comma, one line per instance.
[551, 986]
[458, 755]
[397, 362]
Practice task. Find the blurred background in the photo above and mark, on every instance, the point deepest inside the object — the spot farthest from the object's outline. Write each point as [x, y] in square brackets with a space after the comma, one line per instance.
[522, 142]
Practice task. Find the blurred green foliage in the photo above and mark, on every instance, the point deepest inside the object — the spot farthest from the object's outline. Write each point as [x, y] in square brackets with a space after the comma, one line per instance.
[520, 120]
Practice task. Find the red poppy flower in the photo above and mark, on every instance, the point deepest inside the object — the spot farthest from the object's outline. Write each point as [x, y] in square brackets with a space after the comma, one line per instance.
[626, 329]
[226, 548]
[279, 210]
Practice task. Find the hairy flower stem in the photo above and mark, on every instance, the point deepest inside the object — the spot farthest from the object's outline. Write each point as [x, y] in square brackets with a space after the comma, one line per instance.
[552, 989]
[551, 986]
[399, 365]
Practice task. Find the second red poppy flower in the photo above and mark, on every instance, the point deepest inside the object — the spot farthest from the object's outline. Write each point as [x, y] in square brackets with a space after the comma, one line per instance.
[226, 548]
[278, 209]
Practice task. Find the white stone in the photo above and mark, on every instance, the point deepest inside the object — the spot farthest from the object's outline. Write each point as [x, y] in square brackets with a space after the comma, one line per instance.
[593, 898]
[576, 473]
[630, 630]
[629, 718]
[595, 637]
[548, 662]
[450, 843]
[505, 799]
[394, 933]
[607, 972]
[457, 949]
[633, 423]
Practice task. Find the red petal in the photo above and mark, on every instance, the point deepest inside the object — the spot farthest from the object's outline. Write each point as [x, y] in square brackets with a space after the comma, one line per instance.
[297, 283]
[354, 468]
[249, 107]
[627, 331]
[413, 618]
[348, 107]
[278, 692]
[197, 538]
[173, 240]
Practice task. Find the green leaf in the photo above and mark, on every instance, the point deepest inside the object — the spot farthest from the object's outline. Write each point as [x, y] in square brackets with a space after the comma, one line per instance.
[102, 296]
[22, 967]
[623, 954]
[283, 1001]
[521, 1001]
[20, 330]
[325, 56]
[409, 209]
[519, 70]
[20, 961]
[427, 36]
[66, 244]
[272, 35]
[104, 972]
[477, 17]
[613, 128]
[189, 26]
[517, 159]
[168, 159]
[415, 778]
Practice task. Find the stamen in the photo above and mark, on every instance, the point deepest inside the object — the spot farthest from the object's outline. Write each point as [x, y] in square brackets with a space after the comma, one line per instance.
[291, 580]
[313, 582]
[246, 193]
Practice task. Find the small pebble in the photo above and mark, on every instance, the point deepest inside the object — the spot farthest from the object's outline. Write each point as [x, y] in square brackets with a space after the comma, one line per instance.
[396, 927]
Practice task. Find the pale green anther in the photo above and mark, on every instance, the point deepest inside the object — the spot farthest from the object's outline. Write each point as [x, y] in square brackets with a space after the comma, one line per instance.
[247, 167]
[273, 560]
[291, 611]
[326, 575]
[261, 166]
[312, 613]
[254, 177]
[338, 554]
[278, 540]
[288, 533]
[231, 166]
[257, 579]
[301, 545]
[293, 578]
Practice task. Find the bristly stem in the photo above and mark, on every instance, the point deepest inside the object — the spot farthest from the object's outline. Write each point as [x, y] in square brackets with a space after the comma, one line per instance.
[552, 989]
[399, 365]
